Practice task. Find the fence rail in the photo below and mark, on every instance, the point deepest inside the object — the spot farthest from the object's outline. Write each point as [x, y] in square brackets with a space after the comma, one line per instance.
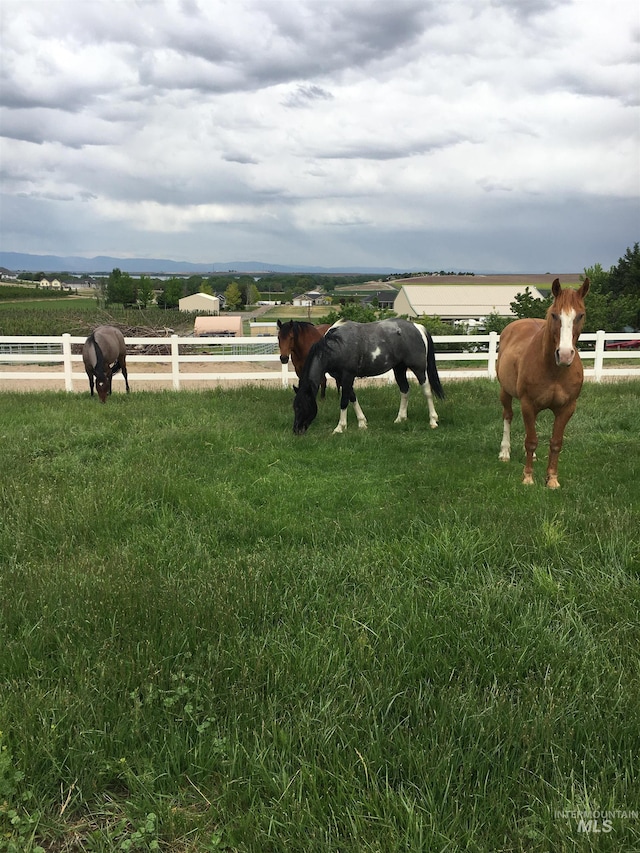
[180, 352]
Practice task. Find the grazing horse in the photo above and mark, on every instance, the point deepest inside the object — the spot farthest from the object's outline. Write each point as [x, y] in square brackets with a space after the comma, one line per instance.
[295, 339]
[538, 363]
[349, 350]
[104, 353]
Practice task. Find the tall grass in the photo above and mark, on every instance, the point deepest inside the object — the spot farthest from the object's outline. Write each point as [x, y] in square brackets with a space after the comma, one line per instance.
[218, 636]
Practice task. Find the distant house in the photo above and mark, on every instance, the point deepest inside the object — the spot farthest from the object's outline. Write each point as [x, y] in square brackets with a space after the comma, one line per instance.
[458, 302]
[212, 326]
[385, 298]
[313, 297]
[200, 302]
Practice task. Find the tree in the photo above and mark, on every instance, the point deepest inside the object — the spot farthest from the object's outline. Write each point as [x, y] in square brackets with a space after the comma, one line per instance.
[251, 294]
[233, 297]
[624, 280]
[526, 305]
[145, 291]
[614, 299]
[171, 293]
[121, 288]
[495, 322]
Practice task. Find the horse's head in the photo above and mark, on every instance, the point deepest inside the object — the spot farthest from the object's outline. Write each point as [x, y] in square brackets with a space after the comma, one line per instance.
[103, 384]
[566, 318]
[305, 407]
[286, 340]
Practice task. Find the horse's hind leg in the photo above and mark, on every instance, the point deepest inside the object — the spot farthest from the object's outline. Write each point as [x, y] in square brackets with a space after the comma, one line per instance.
[433, 415]
[421, 376]
[123, 367]
[507, 417]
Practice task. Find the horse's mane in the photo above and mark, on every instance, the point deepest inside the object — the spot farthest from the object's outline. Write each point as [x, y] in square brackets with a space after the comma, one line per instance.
[99, 368]
[317, 352]
[299, 325]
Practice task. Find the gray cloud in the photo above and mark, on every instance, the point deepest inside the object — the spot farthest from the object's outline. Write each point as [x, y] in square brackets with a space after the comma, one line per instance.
[352, 131]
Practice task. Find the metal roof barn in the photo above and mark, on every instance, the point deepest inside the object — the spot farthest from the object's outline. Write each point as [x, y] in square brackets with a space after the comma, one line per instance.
[458, 302]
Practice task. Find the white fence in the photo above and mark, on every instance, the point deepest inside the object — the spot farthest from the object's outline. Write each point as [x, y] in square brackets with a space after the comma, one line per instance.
[480, 351]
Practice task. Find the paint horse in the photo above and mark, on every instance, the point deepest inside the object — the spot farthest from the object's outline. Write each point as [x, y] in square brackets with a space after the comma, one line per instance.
[538, 363]
[350, 350]
[295, 339]
[104, 353]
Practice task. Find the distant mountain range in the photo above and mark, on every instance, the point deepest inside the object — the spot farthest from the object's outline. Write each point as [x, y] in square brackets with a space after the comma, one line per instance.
[18, 262]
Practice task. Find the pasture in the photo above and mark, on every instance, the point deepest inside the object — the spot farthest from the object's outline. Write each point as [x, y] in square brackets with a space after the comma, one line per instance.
[216, 635]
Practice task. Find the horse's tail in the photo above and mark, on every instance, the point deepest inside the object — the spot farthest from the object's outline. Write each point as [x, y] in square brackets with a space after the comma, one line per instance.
[432, 369]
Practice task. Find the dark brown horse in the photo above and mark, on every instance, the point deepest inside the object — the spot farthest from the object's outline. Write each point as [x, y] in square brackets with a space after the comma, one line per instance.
[104, 353]
[295, 339]
[538, 363]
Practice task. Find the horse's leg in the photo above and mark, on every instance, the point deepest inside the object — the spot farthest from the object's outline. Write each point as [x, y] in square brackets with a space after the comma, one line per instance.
[362, 421]
[347, 395]
[400, 373]
[323, 388]
[507, 417]
[433, 415]
[90, 375]
[562, 418]
[123, 367]
[529, 415]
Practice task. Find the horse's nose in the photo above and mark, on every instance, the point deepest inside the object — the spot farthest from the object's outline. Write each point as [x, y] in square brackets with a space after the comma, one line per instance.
[564, 356]
[284, 359]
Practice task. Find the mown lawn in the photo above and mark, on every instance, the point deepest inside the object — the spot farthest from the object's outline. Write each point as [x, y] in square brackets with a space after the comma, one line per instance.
[217, 636]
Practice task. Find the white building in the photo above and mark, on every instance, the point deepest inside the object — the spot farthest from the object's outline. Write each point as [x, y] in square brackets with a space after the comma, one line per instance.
[200, 302]
[459, 301]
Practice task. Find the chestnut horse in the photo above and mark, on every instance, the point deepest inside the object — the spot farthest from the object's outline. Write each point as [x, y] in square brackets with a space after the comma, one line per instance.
[104, 353]
[295, 339]
[538, 364]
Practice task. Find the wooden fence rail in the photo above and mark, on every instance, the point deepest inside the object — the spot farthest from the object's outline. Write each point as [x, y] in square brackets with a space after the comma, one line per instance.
[480, 351]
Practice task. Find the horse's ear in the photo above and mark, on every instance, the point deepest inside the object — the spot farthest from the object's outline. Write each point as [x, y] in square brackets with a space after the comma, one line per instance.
[279, 324]
[586, 284]
[555, 288]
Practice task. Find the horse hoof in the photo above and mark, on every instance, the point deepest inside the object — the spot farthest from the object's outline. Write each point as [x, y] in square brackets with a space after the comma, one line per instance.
[527, 480]
[433, 425]
[504, 457]
[362, 425]
[338, 430]
[552, 483]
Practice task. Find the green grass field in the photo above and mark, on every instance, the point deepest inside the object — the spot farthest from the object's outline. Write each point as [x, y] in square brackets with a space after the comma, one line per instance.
[217, 636]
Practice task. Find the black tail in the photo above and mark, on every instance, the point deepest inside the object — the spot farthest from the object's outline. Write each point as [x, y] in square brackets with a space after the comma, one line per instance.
[432, 370]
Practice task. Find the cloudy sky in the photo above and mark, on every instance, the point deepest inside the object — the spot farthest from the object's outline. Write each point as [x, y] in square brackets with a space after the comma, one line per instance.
[495, 135]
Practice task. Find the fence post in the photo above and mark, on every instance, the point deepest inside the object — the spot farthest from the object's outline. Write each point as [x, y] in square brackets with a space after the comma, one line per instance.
[175, 362]
[68, 367]
[598, 361]
[493, 355]
[284, 372]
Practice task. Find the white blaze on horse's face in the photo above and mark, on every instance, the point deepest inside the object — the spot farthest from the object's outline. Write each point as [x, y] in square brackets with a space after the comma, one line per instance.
[566, 350]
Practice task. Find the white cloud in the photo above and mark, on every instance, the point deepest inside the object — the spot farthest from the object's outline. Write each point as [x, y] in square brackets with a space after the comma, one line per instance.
[341, 130]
